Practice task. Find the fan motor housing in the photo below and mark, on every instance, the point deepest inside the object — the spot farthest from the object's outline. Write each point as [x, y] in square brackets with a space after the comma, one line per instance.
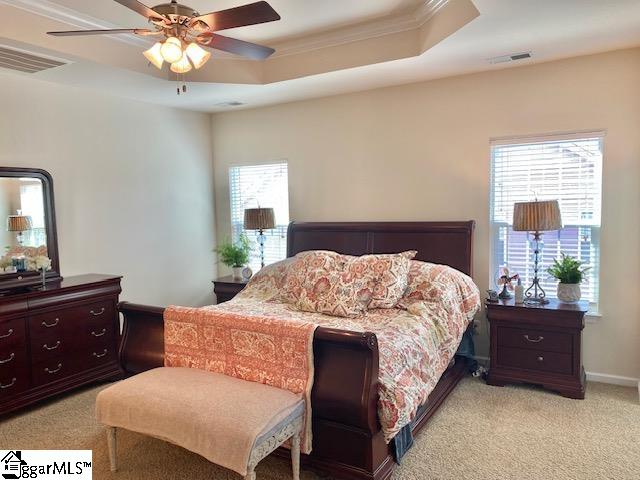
[175, 9]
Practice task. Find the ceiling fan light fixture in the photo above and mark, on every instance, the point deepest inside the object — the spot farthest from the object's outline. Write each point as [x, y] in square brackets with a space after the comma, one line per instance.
[198, 55]
[154, 56]
[171, 50]
[181, 66]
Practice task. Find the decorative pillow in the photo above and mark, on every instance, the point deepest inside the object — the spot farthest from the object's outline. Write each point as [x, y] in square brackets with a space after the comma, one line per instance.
[296, 276]
[334, 292]
[385, 274]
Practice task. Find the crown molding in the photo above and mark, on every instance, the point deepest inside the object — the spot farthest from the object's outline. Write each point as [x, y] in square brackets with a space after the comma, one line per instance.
[362, 31]
[301, 44]
[71, 17]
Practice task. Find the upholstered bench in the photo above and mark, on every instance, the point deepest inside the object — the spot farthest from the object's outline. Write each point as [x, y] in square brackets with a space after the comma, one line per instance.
[232, 423]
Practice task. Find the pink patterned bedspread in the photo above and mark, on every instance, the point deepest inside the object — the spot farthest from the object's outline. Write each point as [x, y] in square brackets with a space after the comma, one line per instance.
[416, 342]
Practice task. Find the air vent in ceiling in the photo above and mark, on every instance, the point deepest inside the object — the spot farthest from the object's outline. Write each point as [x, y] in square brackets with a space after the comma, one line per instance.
[510, 58]
[25, 62]
[229, 104]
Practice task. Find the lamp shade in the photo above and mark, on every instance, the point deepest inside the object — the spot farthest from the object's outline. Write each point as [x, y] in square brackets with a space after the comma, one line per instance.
[259, 218]
[18, 223]
[536, 216]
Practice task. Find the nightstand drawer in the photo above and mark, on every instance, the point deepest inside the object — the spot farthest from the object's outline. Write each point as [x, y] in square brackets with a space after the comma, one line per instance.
[538, 360]
[544, 340]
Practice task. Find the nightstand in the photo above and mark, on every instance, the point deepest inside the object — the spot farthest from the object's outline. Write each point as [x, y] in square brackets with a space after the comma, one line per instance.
[541, 345]
[226, 288]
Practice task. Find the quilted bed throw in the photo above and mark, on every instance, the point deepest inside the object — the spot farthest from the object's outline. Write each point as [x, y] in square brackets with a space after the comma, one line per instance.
[271, 351]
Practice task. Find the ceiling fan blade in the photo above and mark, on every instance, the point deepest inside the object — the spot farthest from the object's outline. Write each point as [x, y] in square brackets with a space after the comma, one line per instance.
[142, 9]
[235, 46]
[74, 33]
[251, 14]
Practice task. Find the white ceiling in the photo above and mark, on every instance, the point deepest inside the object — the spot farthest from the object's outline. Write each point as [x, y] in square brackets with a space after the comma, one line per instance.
[550, 29]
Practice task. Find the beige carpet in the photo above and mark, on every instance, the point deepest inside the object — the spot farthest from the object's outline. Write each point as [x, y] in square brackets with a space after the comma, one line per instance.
[481, 432]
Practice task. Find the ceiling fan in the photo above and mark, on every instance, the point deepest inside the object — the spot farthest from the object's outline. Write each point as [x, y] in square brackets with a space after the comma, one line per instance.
[185, 31]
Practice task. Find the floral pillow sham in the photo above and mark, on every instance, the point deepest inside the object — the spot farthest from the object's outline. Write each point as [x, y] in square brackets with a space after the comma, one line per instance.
[343, 285]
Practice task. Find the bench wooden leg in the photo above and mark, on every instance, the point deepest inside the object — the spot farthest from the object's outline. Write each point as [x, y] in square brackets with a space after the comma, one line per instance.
[251, 475]
[111, 442]
[295, 456]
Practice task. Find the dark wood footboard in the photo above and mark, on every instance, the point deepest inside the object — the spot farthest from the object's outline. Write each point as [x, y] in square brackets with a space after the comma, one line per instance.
[347, 440]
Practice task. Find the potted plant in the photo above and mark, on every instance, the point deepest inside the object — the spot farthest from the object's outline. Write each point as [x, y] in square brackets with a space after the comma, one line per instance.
[570, 273]
[235, 255]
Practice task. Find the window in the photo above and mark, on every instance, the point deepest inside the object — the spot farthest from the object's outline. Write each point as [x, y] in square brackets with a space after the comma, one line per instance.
[32, 204]
[567, 168]
[265, 186]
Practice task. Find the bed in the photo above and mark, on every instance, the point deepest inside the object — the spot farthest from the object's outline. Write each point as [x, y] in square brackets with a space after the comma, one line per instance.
[348, 441]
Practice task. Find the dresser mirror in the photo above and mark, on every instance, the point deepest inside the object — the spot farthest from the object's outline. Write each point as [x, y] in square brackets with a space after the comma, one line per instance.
[27, 228]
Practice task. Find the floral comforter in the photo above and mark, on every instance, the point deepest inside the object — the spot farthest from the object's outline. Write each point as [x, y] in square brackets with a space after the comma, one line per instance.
[416, 341]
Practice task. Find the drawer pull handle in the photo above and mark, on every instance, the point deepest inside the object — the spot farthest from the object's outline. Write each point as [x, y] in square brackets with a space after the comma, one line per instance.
[51, 325]
[47, 347]
[541, 359]
[100, 355]
[55, 370]
[8, 359]
[534, 340]
[104, 330]
[8, 334]
[98, 313]
[9, 385]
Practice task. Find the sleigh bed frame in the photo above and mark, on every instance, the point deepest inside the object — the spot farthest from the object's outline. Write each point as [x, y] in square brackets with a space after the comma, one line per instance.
[347, 440]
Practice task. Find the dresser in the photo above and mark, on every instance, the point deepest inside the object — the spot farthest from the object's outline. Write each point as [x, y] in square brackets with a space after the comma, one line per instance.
[539, 345]
[226, 288]
[57, 339]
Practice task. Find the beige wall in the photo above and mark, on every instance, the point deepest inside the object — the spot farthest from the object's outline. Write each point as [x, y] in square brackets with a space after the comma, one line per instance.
[133, 185]
[421, 152]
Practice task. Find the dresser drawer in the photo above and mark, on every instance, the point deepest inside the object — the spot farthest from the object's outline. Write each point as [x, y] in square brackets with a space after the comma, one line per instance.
[49, 326]
[12, 333]
[54, 369]
[98, 312]
[50, 348]
[14, 372]
[99, 353]
[535, 339]
[538, 360]
[13, 381]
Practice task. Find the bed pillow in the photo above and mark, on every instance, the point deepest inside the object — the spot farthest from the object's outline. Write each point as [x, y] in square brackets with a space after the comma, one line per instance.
[297, 271]
[441, 284]
[327, 282]
[386, 275]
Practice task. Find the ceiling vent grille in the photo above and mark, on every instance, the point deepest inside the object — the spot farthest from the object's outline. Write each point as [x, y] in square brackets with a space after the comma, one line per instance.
[510, 58]
[25, 62]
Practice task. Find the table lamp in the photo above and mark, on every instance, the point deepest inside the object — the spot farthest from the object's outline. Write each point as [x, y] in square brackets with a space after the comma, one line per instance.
[260, 219]
[536, 217]
[19, 223]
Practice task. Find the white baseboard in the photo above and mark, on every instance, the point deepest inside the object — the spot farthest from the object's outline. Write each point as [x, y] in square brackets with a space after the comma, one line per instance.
[591, 376]
[612, 379]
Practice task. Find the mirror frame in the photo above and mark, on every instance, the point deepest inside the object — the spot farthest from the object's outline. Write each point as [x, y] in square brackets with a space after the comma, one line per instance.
[11, 281]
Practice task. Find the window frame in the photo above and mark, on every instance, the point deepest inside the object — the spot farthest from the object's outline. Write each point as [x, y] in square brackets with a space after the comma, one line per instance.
[281, 228]
[494, 226]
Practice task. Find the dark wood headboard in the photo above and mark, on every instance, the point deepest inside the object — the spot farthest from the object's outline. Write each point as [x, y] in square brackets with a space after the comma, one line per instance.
[448, 243]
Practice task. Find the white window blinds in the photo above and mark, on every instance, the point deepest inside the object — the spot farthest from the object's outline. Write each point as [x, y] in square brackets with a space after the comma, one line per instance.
[568, 169]
[266, 186]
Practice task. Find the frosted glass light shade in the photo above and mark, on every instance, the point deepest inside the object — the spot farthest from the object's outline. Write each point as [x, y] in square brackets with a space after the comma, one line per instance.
[171, 50]
[198, 55]
[181, 66]
[154, 55]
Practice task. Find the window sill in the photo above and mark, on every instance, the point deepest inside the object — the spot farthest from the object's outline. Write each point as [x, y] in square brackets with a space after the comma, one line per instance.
[593, 317]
